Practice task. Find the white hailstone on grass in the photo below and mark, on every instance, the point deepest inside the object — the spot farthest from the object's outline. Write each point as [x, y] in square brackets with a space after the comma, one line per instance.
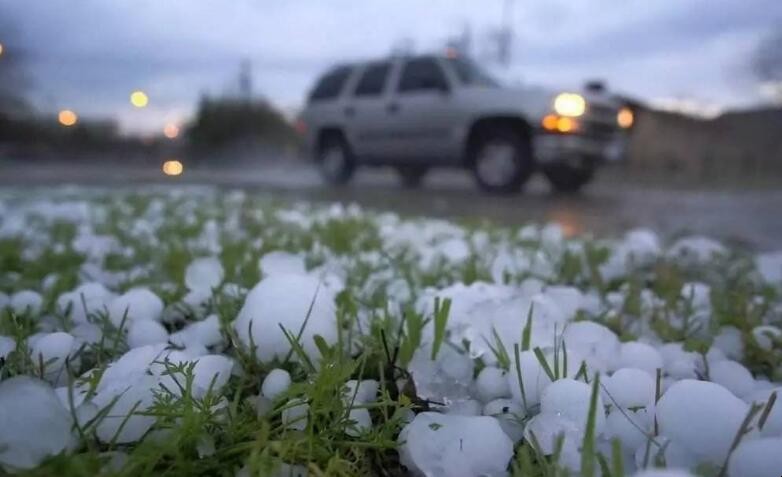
[359, 422]
[732, 376]
[5, 301]
[135, 304]
[730, 341]
[569, 299]
[545, 429]
[290, 302]
[533, 379]
[663, 473]
[757, 458]
[492, 383]
[233, 290]
[197, 300]
[765, 335]
[295, 414]
[598, 345]
[447, 378]
[275, 383]
[84, 300]
[702, 416]
[455, 250]
[678, 363]
[211, 372]
[7, 344]
[629, 387]
[130, 366]
[438, 445]
[769, 266]
[509, 414]
[635, 354]
[630, 427]
[125, 424]
[205, 332]
[773, 425]
[49, 353]
[33, 424]
[696, 249]
[641, 245]
[697, 294]
[204, 273]
[363, 392]
[27, 302]
[570, 399]
[87, 333]
[463, 407]
[281, 263]
[146, 332]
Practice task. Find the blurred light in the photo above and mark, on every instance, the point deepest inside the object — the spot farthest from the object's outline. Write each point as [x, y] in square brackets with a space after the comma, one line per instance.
[1, 49]
[625, 118]
[570, 104]
[173, 167]
[300, 126]
[565, 125]
[550, 122]
[451, 53]
[139, 99]
[171, 131]
[67, 117]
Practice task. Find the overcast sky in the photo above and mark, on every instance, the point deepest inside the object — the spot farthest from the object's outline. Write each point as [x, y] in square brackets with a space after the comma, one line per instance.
[89, 55]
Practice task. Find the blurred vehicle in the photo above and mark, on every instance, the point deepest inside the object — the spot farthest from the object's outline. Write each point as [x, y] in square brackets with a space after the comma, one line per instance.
[419, 112]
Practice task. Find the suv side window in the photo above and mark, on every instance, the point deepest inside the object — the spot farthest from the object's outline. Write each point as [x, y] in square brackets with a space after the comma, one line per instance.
[422, 74]
[331, 84]
[373, 80]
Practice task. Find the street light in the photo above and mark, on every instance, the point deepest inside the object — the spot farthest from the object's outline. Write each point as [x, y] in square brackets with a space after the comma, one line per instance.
[139, 99]
[173, 167]
[67, 118]
[171, 131]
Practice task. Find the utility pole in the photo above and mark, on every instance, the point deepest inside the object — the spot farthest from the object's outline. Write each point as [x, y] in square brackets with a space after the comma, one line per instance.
[245, 80]
[504, 34]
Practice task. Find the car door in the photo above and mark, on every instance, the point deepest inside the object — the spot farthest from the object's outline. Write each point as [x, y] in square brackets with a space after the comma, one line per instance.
[365, 113]
[420, 112]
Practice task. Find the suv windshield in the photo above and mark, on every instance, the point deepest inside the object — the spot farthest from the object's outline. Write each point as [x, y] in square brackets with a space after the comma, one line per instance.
[330, 85]
[470, 73]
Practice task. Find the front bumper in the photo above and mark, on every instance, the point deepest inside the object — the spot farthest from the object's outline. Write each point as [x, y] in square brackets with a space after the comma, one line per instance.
[556, 147]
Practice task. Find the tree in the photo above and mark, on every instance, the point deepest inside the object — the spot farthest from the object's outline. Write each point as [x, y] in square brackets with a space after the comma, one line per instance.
[12, 76]
[767, 64]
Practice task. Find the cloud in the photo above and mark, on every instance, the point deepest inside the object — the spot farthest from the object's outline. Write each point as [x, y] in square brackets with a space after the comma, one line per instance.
[90, 54]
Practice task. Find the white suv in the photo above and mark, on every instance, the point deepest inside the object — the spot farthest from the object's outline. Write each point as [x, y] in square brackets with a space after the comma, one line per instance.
[420, 112]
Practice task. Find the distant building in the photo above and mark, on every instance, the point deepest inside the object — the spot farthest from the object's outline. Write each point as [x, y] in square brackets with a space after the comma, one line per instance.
[735, 144]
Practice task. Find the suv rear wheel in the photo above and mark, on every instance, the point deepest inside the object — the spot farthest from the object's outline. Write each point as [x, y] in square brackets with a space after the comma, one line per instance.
[411, 176]
[501, 160]
[568, 178]
[335, 159]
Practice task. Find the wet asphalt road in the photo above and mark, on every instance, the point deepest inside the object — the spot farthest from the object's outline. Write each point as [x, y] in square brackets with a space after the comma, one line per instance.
[609, 206]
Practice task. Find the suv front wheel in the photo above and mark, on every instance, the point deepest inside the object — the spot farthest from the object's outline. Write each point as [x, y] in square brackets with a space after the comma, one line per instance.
[501, 160]
[335, 160]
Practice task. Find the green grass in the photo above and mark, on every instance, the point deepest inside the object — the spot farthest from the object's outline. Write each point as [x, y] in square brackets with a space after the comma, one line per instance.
[162, 232]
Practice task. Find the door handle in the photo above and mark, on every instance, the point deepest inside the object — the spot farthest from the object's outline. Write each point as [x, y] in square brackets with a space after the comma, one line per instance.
[392, 108]
[350, 111]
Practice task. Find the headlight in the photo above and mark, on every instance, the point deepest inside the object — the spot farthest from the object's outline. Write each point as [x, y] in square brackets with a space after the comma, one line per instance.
[569, 104]
[625, 118]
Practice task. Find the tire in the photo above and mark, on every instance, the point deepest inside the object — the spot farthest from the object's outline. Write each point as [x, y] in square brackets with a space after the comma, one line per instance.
[501, 160]
[335, 160]
[568, 179]
[411, 176]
